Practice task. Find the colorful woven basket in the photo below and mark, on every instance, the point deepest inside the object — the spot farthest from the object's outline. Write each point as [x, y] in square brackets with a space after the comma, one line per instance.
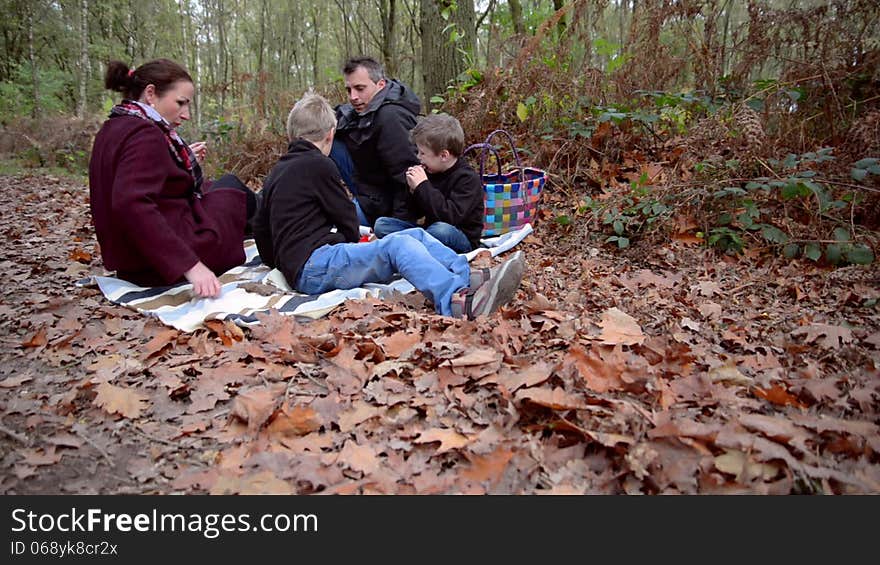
[510, 198]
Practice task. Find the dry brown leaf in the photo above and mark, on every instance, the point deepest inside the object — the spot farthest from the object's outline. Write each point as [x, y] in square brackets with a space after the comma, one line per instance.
[487, 467]
[739, 464]
[39, 457]
[254, 406]
[779, 395]
[513, 379]
[398, 343]
[225, 330]
[36, 340]
[729, 374]
[359, 457]
[14, 382]
[620, 328]
[294, 421]
[120, 400]
[449, 439]
[361, 412]
[264, 482]
[477, 357]
[832, 336]
[159, 341]
[601, 375]
[557, 399]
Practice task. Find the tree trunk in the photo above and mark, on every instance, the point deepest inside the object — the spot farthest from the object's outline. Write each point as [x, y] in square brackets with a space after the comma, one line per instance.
[516, 16]
[388, 16]
[443, 59]
[35, 111]
[83, 59]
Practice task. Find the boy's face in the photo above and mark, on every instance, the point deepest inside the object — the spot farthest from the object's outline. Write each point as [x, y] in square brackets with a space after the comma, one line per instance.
[433, 162]
[361, 88]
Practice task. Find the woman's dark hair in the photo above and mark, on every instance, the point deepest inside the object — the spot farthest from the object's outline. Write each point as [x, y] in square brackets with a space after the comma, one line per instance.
[161, 73]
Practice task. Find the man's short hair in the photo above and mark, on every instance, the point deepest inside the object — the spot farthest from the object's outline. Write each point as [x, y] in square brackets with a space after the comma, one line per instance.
[374, 68]
[439, 132]
[311, 118]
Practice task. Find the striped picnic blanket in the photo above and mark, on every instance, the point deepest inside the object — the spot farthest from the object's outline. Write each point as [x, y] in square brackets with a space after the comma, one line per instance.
[252, 288]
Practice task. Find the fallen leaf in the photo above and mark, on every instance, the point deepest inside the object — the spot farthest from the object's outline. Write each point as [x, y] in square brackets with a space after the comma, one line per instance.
[40, 457]
[120, 400]
[779, 395]
[264, 482]
[620, 328]
[449, 439]
[359, 457]
[254, 406]
[225, 330]
[487, 467]
[295, 421]
[729, 374]
[398, 343]
[832, 336]
[525, 377]
[14, 382]
[557, 399]
[735, 462]
[600, 375]
[361, 412]
[477, 357]
[159, 341]
[36, 340]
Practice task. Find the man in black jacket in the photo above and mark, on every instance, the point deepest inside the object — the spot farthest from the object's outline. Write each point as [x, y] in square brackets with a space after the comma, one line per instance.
[374, 127]
[307, 228]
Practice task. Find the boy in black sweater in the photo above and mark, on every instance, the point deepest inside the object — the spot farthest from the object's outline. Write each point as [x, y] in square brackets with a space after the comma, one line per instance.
[308, 229]
[443, 188]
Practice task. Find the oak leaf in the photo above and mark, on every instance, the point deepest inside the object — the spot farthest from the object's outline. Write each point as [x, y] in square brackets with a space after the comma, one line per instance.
[398, 343]
[120, 400]
[295, 421]
[449, 439]
[832, 336]
[620, 328]
[487, 467]
[557, 399]
[254, 406]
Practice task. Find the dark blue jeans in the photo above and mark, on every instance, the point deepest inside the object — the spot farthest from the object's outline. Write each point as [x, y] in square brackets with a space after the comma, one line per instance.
[447, 234]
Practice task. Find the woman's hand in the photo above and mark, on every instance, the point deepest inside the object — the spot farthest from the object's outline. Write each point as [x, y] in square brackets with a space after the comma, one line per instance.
[200, 149]
[205, 282]
[415, 176]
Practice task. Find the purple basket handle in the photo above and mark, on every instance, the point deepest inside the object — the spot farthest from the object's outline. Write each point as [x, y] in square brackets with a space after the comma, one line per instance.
[486, 148]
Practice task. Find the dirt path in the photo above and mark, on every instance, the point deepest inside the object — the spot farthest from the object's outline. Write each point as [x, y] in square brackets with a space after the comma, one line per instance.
[670, 371]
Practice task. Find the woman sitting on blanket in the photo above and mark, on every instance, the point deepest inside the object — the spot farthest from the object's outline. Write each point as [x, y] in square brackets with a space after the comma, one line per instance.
[157, 221]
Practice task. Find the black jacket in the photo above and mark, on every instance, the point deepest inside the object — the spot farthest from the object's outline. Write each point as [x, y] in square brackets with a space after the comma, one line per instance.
[380, 147]
[454, 196]
[303, 199]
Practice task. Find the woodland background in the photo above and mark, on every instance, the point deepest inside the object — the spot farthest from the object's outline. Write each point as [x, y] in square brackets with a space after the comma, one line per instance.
[699, 313]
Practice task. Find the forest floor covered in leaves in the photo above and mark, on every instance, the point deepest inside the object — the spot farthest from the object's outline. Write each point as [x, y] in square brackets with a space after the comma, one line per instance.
[669, 369]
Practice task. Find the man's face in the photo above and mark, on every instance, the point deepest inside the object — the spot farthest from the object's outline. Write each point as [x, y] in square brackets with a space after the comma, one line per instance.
[361, 89]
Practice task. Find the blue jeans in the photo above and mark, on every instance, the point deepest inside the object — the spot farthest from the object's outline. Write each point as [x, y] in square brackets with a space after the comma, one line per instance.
[339, 154]
[434, 269]
[447, 234]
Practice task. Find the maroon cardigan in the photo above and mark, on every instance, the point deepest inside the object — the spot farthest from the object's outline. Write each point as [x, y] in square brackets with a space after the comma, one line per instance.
[150, 226]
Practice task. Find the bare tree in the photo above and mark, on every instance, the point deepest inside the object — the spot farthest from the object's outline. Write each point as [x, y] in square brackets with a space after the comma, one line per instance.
[447, 42]
[83, 58]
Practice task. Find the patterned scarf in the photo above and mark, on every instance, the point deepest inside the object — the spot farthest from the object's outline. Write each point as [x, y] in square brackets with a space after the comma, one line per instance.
[180, 151]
